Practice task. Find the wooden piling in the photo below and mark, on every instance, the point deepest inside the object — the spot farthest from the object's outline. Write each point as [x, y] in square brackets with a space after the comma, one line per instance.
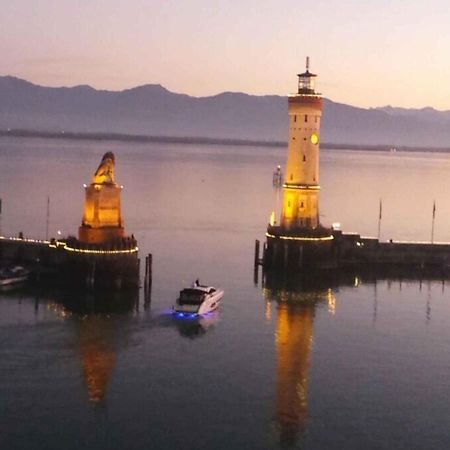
[255, 275]
[150, 271]
[286, 255]
[148, 279]
[256, 252]
[300, 257]
[90, 279]
[145, 274]
[138, 271]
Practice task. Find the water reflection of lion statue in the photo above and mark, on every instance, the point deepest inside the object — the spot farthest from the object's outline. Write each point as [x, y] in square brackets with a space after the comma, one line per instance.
[105, 172]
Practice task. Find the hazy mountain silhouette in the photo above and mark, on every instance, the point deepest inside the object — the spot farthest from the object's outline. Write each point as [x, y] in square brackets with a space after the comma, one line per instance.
[153, 110]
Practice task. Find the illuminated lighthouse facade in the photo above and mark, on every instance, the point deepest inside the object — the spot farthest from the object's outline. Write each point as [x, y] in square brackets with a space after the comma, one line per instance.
[301, 184]
[299, 240]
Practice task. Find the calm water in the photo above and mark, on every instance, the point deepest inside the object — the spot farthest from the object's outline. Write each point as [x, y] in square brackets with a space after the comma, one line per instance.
[357, 364]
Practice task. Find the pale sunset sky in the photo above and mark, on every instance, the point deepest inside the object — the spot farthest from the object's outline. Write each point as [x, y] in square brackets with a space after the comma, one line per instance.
[366, 53]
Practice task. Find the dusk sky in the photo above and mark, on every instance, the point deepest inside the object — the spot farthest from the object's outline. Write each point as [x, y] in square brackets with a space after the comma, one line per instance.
[366, 53]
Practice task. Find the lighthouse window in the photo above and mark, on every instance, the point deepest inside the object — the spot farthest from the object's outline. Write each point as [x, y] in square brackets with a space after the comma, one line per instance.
[291, 177]
[301, 205]
[316, 118]
[304, 158]
[295, 118]
[306, 117]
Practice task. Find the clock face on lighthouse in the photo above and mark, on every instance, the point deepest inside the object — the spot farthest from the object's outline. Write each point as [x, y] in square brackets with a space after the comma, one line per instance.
[314, 139]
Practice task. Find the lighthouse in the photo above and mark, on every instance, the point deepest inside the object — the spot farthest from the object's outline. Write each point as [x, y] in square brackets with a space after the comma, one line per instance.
[301, 183]
[299, 240]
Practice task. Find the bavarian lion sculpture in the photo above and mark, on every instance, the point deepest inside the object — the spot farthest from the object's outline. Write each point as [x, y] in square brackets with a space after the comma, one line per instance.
[105, 172]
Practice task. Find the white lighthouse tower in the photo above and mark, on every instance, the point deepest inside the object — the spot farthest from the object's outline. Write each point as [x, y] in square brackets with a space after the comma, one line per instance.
[301, 184]
[300, 236]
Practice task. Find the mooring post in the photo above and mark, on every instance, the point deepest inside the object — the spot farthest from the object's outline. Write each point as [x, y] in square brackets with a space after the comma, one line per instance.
[138, 281]
[145, 282]
[150, 271]
[256, 252]
[300, 257]
[255, 275]
[90, 281]
[286, 255]
[148, 279]
[146, 275]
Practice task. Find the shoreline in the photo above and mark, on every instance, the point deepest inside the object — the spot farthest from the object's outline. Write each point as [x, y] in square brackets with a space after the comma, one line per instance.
[123, 137]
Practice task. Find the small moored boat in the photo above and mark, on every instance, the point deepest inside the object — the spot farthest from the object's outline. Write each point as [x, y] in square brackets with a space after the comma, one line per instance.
[13, 275]
[198, 299]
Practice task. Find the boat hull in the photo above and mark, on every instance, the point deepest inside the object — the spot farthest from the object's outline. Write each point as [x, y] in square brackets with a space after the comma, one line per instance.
[14, 280]
[14, 275]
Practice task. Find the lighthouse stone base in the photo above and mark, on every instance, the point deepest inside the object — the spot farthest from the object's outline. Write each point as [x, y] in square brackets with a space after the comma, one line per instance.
[299, 248]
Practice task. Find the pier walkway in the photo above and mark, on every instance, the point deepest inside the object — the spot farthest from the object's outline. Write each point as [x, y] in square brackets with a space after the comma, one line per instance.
[353, 249]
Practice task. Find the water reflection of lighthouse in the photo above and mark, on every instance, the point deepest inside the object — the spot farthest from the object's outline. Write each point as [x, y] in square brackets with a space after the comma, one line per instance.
[293, 341]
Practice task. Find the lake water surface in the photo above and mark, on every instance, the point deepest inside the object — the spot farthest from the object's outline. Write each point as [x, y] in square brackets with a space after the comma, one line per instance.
[347, 364]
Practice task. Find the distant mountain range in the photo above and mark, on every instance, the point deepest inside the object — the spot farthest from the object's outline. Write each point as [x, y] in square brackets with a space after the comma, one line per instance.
[153, 110]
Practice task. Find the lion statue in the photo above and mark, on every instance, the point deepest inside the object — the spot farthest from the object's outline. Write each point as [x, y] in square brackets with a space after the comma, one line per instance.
[105, 172]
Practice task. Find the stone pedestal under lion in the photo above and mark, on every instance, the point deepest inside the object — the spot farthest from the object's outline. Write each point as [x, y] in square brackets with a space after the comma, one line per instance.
[102, 220]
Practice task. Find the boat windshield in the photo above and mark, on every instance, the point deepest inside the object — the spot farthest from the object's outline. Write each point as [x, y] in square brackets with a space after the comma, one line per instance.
[191, 297]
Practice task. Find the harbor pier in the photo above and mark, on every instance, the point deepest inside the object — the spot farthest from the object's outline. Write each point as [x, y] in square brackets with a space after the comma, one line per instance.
[74, 263]
[351, 251]
[102, 256]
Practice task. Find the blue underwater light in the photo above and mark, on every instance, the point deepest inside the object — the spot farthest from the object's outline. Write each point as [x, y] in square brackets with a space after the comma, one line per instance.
[185, 315]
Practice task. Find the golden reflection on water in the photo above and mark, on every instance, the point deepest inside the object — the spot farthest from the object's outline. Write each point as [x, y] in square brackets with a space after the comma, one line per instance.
[293, 344]
[331, 302]
[96, 338]
[293, 341]
[96, 343]
[97, 318]
[268, 310]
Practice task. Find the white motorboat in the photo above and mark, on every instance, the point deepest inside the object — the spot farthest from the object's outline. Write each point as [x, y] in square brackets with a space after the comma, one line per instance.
[13, 275]
[198, 299]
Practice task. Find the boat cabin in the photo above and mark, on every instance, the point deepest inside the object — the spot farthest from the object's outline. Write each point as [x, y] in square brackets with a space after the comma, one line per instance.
[195, 295]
